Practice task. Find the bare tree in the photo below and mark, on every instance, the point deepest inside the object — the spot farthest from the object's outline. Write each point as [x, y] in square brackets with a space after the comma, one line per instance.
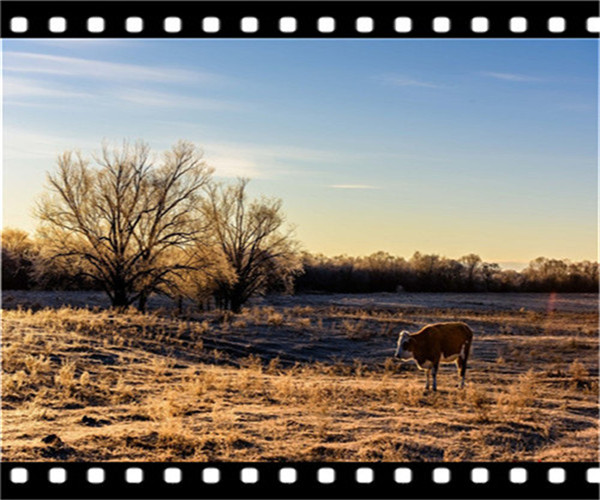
[18, 253]
[124, 215]
[209, 270]
[472, 262]
[490, 271]
[250, 234]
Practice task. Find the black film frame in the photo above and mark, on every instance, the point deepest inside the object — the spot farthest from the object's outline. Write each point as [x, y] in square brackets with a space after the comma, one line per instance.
[576, 485]
[38, 13]
[306, 13]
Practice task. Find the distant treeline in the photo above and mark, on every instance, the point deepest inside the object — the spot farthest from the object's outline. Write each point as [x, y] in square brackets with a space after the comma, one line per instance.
[379, 272]
[382, 272]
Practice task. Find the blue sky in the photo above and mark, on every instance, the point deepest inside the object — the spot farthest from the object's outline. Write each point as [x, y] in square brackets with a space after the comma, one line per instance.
[444, 146]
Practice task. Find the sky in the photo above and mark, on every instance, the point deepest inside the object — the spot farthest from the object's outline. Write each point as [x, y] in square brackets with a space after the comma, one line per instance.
[441, 146]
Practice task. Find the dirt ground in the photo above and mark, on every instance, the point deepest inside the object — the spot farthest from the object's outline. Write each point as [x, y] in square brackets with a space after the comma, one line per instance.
[307, 377]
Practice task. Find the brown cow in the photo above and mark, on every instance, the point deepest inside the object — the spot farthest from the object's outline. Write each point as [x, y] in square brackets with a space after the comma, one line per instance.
[435, 344]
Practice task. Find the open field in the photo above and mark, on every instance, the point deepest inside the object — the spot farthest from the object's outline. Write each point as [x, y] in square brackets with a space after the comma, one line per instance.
[297, 378]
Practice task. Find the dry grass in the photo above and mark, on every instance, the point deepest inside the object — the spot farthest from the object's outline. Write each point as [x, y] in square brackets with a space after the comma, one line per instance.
[298, 383]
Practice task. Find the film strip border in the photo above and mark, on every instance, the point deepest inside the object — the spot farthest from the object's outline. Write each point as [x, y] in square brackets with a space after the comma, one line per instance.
[300, 480]
[300, 19]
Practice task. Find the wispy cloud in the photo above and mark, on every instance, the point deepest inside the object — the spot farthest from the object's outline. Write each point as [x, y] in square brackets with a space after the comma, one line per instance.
[44, 92]
[235, 166]
[29, 145]
[354, 186]
[22, 87]
[51, 80]
[36, 63]
[403, 81]
[511, 77]
[230, 159]
[235, 159]
[176, 100]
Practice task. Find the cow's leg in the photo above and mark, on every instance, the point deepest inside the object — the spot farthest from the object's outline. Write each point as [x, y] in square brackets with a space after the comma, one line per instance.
[463, 374]
[427, 379]
[461, 363]
[434, 370]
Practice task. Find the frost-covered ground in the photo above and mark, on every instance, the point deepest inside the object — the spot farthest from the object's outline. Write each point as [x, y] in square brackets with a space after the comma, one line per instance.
[546, 302]
[308, 377]
[541, 302]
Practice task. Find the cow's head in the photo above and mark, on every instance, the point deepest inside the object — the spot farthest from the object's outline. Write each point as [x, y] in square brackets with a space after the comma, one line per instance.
[404, 347]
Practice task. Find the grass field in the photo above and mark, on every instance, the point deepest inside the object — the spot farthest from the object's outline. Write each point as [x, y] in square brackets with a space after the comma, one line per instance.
[297, 378]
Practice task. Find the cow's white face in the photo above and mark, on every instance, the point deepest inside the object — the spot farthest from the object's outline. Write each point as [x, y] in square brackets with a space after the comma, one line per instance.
[402, 348]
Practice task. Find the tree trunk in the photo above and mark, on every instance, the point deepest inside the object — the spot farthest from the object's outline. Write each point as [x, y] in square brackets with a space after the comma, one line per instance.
[119, 298]
[142, 301]
[236, 302]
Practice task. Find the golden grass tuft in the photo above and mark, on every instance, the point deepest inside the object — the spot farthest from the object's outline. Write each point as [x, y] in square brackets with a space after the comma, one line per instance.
[275, 319]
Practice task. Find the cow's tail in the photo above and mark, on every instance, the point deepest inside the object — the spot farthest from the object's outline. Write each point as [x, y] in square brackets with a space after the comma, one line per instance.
[468, 342]
[463, 357]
